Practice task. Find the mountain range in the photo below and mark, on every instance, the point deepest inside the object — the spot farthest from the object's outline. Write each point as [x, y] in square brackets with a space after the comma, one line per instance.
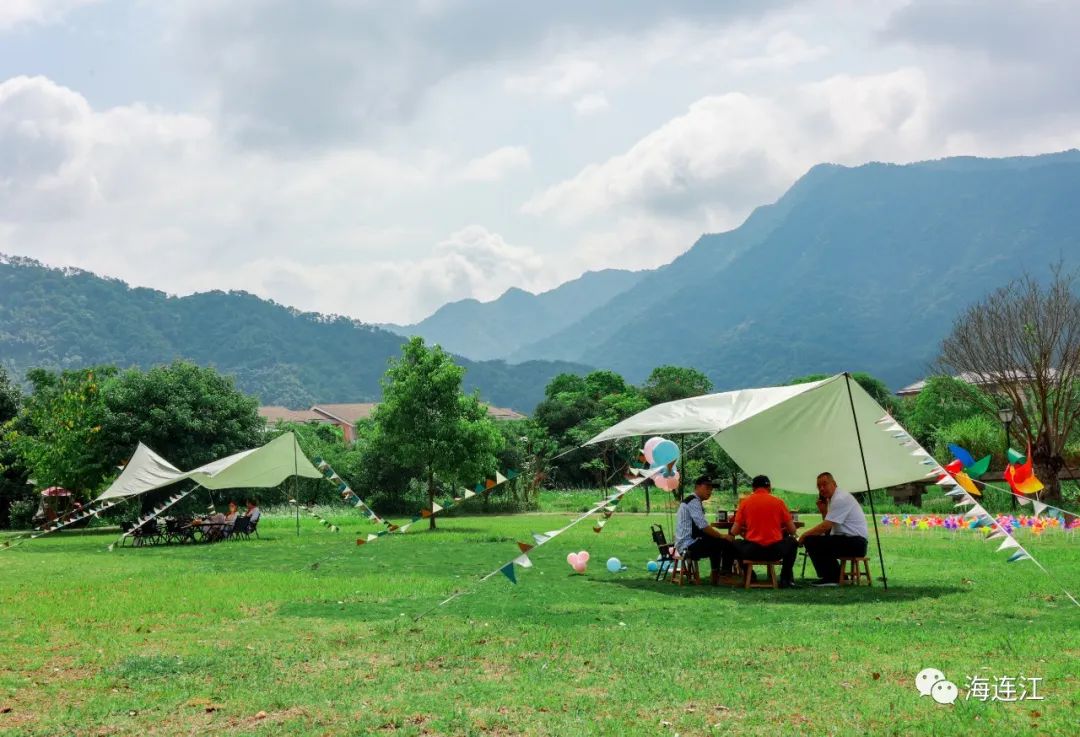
[854, 268]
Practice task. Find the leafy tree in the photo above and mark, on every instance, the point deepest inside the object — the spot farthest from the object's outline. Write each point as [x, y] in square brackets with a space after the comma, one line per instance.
[1023, 341]
[12, 474]
[668, 383]
[57, 435]
[425, 422]
[189, 414]
[942, 402]
[978, 434]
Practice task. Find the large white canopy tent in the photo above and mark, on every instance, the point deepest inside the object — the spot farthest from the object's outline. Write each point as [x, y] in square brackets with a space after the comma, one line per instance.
[258, 468]
[791, 434]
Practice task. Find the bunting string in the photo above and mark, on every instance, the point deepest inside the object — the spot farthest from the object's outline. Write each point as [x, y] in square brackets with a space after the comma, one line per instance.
[59, 524]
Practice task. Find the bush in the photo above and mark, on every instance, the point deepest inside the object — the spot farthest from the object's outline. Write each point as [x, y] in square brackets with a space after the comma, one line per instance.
[979, 435]
[22, 514]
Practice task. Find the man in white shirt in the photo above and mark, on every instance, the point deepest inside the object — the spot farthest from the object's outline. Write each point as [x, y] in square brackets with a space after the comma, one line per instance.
[842, 534]
[695, 538]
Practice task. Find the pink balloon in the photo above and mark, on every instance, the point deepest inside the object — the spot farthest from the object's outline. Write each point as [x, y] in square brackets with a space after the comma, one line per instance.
[667, 483]
[649, 445]
[577, 561]
[584, 555]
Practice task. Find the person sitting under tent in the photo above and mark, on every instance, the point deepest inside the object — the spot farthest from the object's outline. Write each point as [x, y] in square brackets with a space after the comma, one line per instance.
[253, 511]
[230, 518]
[765, 524]
[696, 539]
[842, 534]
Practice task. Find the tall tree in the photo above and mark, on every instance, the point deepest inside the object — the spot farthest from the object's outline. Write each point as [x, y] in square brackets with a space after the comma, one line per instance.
[1023, 342]
[189, 414]
[12, 473]
[668, 383]
[426, 423]
[57, 434]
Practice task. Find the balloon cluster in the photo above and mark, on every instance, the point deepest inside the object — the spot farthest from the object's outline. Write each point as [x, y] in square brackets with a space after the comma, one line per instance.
[661, 454]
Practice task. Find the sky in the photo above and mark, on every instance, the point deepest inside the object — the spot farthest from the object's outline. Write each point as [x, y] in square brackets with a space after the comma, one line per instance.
[379, 159]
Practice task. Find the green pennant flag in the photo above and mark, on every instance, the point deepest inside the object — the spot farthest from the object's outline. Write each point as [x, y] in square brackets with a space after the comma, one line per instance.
[479, 488]
[508, 571]
[511, 475]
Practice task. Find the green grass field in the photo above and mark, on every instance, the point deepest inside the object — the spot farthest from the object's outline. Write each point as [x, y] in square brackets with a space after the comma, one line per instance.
[312, 635]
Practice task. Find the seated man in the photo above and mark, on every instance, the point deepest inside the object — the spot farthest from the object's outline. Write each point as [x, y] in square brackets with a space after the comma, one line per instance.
[842, 534]
[253, 511]
[767, 528]
[696, 539]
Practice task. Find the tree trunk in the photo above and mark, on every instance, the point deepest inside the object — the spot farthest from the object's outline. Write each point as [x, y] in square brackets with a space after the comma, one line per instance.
[1047, 473]
[431, 499]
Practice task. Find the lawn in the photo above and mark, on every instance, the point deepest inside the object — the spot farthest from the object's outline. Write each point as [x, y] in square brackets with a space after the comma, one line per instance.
[312, 635]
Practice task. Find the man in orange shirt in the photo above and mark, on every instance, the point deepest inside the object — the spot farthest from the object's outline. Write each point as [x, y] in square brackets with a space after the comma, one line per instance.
[766, 526]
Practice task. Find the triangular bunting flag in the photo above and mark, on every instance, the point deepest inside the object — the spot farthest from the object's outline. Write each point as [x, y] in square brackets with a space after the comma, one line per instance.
[624, 488]
[372, 537]
[425, 513]
[540, 539]
[393, 528]
[499, 478]
[525, 547]
[1021, 555]
[508, 571]
[511, 475]
[523, 561]
[553, 533]
[469, 494]
[883, 420]
[996, 534]
[1007, 543]
[405, 528]
[435, 508]
[361, 541]
[1024, 501]
[1039, 507]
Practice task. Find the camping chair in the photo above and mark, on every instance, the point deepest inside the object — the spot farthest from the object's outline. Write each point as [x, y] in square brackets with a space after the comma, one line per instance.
[253, 527]
[178, 531]
[148, 532]
[663, 547]
[241, 528]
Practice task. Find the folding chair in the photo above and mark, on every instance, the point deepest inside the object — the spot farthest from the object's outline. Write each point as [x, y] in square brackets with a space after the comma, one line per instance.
[241, 528]
[663, 547]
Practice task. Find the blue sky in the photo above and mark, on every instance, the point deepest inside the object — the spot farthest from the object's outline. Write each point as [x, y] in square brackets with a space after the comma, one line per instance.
[378, 159]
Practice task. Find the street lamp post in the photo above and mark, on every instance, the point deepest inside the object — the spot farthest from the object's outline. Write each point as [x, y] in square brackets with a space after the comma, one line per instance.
[1006, 415]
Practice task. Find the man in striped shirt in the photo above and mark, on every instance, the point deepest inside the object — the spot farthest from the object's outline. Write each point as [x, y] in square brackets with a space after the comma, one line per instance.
[695, 538]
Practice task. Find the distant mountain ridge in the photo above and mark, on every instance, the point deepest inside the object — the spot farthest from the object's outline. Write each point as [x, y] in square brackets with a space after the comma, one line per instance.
[69, 318]
[496, 329]
[854, 268]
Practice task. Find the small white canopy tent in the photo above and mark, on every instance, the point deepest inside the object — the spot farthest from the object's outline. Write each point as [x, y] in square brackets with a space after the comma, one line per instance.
[262, 467]
[793, 433]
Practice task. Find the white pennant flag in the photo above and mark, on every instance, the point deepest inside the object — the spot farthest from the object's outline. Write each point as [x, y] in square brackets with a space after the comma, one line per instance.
[540, 539]
[1007, 543]
[1039, 507]
[523, 561]
[948, 481]
[883, 420]
[996, 534]
[436, 508]
[499, 478]
[623, 488]
[1024, 501]
[372, 537]
[552, 533]
[920, 452]
[405, 527]
[468, 493]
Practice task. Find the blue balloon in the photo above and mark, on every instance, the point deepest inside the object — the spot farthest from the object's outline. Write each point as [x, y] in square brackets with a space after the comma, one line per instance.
[652, 566]
[664, 453]
[614, 565]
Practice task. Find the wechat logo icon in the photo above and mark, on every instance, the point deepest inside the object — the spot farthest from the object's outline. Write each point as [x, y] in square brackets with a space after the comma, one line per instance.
[931, 682]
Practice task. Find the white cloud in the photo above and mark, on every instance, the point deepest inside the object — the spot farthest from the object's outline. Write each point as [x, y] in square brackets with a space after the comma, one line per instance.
[730, 152]
[591, 104]
[494, 166]
[18, 12]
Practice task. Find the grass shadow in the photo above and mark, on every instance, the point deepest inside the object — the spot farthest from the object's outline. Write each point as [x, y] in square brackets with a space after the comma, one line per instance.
[803, 595]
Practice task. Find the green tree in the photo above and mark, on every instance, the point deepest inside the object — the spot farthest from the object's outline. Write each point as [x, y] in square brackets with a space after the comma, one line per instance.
[668, 383]
[189, 414]
[58, 433]
[12, 473]
[427, 424]
[942, 402]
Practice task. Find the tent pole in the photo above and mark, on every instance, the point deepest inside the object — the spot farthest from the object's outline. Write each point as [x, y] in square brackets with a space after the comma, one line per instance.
[296, 482]
[866, 475]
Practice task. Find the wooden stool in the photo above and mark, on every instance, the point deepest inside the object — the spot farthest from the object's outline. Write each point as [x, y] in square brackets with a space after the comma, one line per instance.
[686, 569]
[852, 573]
[748, 569]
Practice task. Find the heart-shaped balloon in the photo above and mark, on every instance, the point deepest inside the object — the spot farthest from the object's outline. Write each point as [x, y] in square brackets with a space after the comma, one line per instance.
[578, 561]
[667, 483]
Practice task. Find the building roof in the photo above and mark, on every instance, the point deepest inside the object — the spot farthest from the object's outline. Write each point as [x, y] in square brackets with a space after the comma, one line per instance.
[988, 378]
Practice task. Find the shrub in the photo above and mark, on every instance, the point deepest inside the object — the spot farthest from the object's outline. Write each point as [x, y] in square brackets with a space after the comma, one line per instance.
[22, 514]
